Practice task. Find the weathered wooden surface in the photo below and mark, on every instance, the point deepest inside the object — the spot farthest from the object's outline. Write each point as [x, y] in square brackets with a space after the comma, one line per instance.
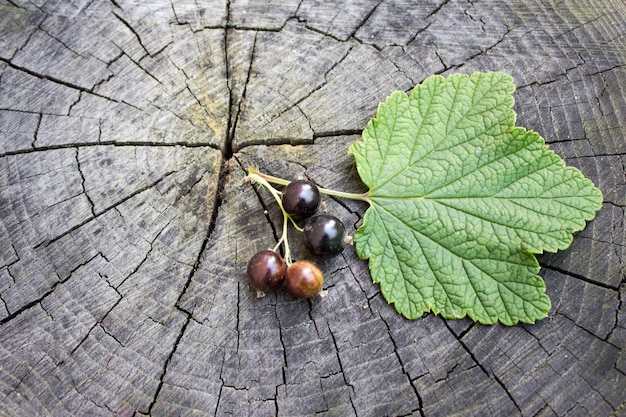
[125, 131]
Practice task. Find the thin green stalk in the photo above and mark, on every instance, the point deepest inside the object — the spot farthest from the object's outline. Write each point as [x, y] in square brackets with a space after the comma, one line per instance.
[286, 217]
[326, 191]
[283, 240]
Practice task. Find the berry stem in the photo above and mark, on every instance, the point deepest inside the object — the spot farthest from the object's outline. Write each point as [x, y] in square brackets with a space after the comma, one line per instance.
[326, 191]
[285, 242]
[253, 176]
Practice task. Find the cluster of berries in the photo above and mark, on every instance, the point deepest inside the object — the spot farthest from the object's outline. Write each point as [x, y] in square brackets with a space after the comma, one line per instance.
[324, 235]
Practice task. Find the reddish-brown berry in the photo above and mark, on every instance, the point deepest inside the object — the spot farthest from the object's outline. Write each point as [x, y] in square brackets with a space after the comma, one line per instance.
[304, 279]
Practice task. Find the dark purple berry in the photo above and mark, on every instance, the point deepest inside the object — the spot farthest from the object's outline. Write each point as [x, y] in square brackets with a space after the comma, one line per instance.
[266, 270]
[324, 235]
[301, 199]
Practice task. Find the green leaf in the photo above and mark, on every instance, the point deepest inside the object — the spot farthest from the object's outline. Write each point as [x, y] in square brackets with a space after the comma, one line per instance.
[461, 199]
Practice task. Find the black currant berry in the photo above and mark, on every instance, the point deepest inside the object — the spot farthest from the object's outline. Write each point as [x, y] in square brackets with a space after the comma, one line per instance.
[324, 235]
[304, 279]
[301, 199]
[266, 270]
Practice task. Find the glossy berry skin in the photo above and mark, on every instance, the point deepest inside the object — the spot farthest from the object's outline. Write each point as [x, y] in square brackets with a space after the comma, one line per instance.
[324, 235]
[266, 270]
[301, 199]
[304, 279]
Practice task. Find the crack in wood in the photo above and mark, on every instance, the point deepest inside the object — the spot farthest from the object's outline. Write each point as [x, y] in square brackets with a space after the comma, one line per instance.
[233, 119]
[51, 78]
[80, 90]
[224, 169]
[481, 366]
[441, 6]
[133, 144]
[584, 378]
[166, 365]
[579, 277]
[82, 184]
[312, 91]
[38, 301]
[6, 307]
[131, 28]
[589, 332]
[618, 326]
[98, 323]
[143, 261]
[103, 211]
[195, 266]
[284, 351]
[262, 202]
[22, 378]
[352, 391]
[365, 19]
[418, 396]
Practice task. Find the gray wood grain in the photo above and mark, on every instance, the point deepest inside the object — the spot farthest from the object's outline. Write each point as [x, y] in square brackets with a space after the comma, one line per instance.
[126, 129]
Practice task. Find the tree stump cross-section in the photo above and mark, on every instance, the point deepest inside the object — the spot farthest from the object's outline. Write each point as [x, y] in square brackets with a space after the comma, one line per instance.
[126, 129]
